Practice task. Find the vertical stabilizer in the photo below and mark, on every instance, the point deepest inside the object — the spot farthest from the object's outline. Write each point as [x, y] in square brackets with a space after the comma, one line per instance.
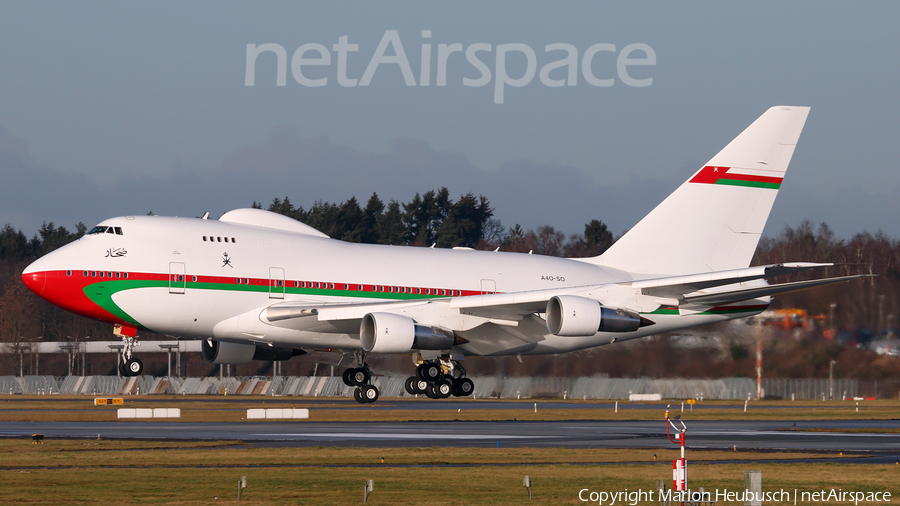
[714, 220]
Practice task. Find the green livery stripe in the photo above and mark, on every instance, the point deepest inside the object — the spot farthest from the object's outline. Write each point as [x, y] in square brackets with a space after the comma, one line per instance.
[749, 184]
[102, 293]
[668, 310]
[665, 310]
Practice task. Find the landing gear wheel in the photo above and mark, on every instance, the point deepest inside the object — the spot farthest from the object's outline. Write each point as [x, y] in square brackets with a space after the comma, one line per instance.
[443, 389]
[359, 376]
[410, 385]
[134, 366]
[357, 395]
[463, 387]
[431, 392]
[421, 386]
[369, 393]
[122, 370]
[429, 371]
[346, 377]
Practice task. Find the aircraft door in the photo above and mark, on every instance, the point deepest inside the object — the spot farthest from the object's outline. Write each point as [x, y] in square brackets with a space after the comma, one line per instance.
[176, 277]
[488, 286]
[276, 282]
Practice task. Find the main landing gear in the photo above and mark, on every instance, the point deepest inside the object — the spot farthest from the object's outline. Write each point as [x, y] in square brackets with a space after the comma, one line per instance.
[435, 379]
[360, 377]
[130, 365]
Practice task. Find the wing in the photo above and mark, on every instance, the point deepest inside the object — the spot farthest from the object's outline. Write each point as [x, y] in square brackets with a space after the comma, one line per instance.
[465, 313]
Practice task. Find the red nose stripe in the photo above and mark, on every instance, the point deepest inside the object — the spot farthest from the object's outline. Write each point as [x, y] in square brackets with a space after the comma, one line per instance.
[35, 281]
[67, 292]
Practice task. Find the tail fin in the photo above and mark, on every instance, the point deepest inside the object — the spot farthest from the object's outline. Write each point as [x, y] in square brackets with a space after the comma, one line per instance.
[714, 220]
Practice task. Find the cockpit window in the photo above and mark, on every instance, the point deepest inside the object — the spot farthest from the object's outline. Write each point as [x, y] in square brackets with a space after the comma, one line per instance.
[100, 229]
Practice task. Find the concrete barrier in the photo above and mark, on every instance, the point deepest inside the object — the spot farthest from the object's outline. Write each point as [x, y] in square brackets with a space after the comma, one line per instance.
[148, 413]
[277, 413]
[645, 397]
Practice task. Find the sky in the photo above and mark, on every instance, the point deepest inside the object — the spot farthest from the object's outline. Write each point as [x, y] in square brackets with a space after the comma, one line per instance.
[120, 108]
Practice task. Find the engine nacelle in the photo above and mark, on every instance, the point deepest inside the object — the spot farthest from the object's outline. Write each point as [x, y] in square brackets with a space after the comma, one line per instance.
[393, 333]
[573, 316]
[221, 352]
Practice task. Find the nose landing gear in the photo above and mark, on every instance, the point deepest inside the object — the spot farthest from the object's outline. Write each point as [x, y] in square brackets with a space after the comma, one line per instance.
[130, 365]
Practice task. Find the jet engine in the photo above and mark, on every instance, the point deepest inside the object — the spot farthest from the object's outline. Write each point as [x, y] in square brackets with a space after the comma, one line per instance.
[221, 352]
[573, 316]
[393, 333]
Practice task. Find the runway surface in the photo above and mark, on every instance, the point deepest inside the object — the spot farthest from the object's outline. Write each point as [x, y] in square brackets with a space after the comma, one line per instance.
[725, 435]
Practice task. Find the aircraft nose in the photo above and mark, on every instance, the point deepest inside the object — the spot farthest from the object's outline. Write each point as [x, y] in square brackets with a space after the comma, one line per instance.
[35, 277]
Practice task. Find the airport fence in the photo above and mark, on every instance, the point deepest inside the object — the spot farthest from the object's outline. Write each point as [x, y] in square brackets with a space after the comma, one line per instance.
[526, 387]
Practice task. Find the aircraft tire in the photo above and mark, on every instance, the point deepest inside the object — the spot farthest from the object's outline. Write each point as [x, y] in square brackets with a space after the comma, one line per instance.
[134, 366]
[359, 376]
[122, 370]
[346, 376]
[443, 388]
[357, 395]
[429, 371]
[431, 391]
[463, 387]
[410, 385]
[421, 386]
[369, 393]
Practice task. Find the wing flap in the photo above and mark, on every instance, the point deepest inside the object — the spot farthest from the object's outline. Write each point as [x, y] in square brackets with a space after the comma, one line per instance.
[730, 296]
[676, 287]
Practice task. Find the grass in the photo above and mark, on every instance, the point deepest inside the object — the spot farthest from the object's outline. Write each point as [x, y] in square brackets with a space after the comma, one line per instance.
[233, 409]
[135, 472]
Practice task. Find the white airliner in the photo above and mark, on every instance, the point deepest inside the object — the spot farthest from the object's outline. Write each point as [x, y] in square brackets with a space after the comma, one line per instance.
[255, 285]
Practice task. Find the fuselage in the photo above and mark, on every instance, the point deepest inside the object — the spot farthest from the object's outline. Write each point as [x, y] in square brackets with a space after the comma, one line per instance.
[198, 278]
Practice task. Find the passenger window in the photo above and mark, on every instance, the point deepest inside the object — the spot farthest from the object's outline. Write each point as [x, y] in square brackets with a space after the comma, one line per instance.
[233, 240]
[204, 238]
[125, 275]
[118, 274]
[84, 273]
[68, 273]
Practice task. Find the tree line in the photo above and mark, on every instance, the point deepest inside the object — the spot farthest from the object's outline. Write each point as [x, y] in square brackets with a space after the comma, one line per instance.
[435, 219]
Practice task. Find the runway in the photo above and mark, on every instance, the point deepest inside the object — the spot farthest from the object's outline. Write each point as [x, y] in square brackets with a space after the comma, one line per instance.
[724, 435]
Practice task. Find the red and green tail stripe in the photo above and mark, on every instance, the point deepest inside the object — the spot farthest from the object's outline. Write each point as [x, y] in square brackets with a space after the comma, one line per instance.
[721, 175]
